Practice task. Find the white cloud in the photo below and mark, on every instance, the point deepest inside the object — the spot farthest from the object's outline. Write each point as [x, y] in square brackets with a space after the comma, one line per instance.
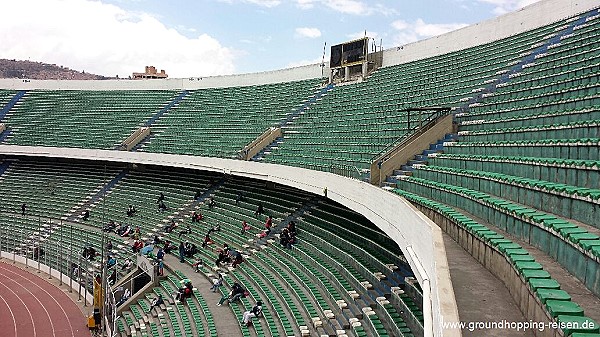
[505, 6]
[262, 3]
[407, 32]
[310, 33]
[305, 4]
[105, 39]
[353, 7]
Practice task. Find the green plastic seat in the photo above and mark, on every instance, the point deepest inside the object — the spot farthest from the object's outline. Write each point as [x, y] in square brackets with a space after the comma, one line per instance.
[559, 307]
[534, 273]
[574, 324]
[536, 283]
[545, 294]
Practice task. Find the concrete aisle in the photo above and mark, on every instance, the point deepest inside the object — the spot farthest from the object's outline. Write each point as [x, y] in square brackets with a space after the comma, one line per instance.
[480, 296]
[227, 324]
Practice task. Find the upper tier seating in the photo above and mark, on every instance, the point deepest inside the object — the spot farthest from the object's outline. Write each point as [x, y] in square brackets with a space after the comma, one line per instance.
[84, 119]
[219, 122]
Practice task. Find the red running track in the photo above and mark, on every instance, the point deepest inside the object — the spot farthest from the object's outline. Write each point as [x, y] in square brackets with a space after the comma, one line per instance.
[32, 307]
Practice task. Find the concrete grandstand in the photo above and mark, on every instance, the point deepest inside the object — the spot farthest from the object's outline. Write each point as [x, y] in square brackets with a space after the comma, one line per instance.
[486, 139]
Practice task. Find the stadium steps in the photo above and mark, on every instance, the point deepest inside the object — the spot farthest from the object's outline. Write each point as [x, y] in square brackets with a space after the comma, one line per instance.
[524, 62]
[3, 167]
[289, 120]
[164, 112]
[166, 108]
[277, 228]
[182, 214]
[421, 159]
[11, 104]
[4, 135]
[76, 213]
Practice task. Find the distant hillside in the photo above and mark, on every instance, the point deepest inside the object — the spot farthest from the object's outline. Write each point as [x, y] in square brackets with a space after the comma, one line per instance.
[42, 71]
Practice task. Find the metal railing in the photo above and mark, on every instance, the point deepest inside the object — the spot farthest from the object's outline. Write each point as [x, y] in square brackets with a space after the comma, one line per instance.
[417, 119]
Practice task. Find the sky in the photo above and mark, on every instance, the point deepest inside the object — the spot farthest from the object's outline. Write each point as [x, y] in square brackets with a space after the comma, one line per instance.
[192, 38]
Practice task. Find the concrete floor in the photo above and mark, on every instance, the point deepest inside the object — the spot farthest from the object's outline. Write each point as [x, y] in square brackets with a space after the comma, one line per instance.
[480, 296]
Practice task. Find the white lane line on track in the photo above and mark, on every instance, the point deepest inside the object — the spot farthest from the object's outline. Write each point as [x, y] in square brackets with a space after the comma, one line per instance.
[23, 286]
[12, 315]
[57, 302]
[26, 308]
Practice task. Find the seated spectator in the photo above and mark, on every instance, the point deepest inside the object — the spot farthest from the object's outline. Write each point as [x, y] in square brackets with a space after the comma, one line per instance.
[285, 239]
[269, 224]
[86, 215]
[194, 217]
[131, 210]
[245, 227]
[207, 241]
[171, 226]
[74, 270]
[161, 197]
[169, 247]
[157, 239]
[124, 230]
[89, 253]
[223, 256]
[38, 252]
[190, 249]
[198, 265]
[162, 207]
[239, 197]
[127, 264]
[157, 302]
[217, 283]
[111, 261]
[147, 250]
[236, 293]
[185, 292]
[236, 257]
[197, 195]
[211, 203]
[259, 210]
[109, 246]
[137, 246]
[187, 231]
[112, 279]
[292, 227]
[250, 314]
[216, 228]
[136, 233]
[110, 227]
